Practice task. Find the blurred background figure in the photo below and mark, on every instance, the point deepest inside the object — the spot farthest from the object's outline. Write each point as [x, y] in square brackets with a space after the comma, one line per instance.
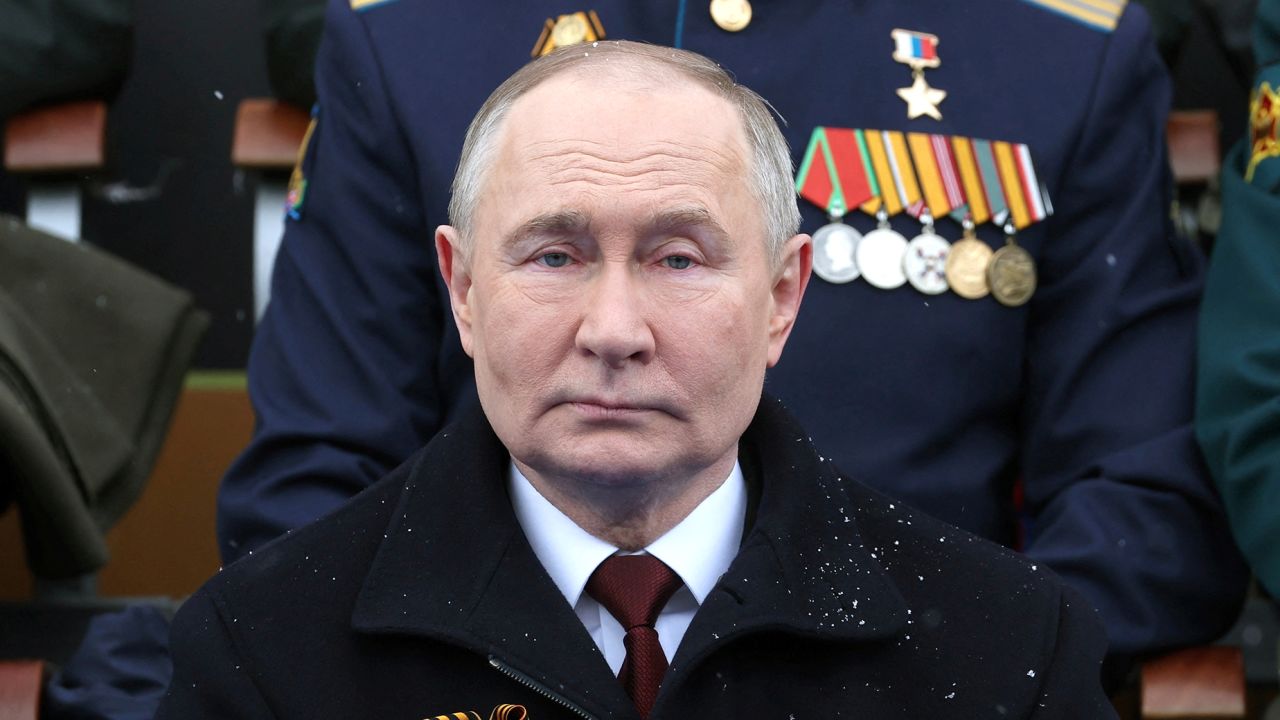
[1238, 405]
[53, 50]
[292, 30]
[1238, 411]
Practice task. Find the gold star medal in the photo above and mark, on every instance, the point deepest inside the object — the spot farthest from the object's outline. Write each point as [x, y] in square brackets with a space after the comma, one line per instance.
[571, 29]
[919, 51]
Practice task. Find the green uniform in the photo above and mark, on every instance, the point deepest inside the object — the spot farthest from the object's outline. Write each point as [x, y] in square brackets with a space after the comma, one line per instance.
[52, 50]
[1238, 403]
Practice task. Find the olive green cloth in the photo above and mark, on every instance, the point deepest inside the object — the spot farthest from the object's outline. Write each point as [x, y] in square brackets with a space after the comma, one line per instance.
[92, 356]
[53, 50]
[1238, 393]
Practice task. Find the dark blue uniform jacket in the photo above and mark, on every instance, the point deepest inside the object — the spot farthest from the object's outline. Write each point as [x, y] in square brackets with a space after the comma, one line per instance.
[423, 598]
[1084, 394]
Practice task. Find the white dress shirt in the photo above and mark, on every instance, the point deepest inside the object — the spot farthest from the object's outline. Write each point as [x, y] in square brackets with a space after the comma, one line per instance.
[699, 550]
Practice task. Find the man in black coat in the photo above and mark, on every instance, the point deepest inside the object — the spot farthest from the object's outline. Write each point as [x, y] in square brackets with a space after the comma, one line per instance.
[625, 528]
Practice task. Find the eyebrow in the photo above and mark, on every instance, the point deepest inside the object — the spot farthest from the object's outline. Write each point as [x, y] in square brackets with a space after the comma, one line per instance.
[558, 224]
[668, 222]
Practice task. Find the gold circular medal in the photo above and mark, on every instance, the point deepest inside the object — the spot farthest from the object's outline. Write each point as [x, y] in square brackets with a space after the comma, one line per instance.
[1012, 275]
[569, 30]
[731, 15]
[967, 268]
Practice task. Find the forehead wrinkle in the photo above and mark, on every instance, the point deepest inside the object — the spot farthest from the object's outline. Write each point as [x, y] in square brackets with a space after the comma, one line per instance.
[697, 149]
[649, 173]
[563, 159]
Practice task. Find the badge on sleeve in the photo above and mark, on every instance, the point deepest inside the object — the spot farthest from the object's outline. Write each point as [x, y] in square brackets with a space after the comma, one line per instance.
[297, 193]
[1264, 116]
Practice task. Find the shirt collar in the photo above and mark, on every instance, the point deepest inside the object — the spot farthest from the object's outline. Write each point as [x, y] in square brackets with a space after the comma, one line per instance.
[699, 549]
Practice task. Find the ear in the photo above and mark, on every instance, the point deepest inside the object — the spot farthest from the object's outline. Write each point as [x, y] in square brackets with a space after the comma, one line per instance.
[456, 272]
[789, 282]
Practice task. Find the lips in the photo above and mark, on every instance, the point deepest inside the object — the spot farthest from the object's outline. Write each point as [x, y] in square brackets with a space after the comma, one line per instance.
[594, 406]
[609, 409]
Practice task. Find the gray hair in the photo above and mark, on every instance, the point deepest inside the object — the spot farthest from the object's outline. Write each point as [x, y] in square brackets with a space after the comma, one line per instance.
[771, 179]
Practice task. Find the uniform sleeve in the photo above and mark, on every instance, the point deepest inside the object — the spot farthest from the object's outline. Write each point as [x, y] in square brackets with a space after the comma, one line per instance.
[54, 50]
[1119, 500]
[1072, 688]
[1238, 399]
[342, 372]
[210, 678]
[1238, 406]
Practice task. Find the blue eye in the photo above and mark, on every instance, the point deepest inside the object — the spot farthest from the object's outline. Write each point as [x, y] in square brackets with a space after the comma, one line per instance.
[554, 259]
[678, 262]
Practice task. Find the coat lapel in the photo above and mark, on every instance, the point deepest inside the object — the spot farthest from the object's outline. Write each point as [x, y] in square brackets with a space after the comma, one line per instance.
[802, 568]
[455, 567]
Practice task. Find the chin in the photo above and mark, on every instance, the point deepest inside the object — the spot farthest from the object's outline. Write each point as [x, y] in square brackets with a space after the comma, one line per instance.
[613, 471]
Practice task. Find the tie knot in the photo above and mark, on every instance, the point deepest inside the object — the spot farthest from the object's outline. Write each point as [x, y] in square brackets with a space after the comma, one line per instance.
[633, 588]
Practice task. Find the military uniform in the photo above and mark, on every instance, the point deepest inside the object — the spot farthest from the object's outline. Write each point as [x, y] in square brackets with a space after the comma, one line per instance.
[1236, 416]
[1083, 394]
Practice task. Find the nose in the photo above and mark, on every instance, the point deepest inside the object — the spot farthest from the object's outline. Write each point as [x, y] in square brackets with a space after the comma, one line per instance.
[614, 327]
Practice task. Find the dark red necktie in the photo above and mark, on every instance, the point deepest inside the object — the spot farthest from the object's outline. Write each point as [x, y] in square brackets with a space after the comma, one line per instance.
[634, 589]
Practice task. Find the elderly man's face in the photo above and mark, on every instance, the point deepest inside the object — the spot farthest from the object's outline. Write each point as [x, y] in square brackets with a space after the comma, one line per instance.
[619, 300]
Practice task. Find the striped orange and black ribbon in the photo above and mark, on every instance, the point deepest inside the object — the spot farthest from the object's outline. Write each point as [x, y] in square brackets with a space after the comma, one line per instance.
[984, 180]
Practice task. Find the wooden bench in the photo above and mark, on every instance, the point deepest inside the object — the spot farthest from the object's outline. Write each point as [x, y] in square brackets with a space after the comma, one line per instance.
[1196, 158]
[54, 147]
[1201, 683]
[20, 684]
[1194, 152]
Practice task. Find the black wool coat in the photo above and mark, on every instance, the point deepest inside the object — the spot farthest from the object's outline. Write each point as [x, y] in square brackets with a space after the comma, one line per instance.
[421, 597]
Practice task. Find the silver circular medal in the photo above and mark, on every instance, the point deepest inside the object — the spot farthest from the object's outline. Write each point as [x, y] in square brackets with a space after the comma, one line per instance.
[834, 246]
[925, 263]
[879, 257]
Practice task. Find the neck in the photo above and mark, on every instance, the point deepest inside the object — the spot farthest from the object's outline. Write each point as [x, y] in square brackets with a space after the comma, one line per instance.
[632, 513]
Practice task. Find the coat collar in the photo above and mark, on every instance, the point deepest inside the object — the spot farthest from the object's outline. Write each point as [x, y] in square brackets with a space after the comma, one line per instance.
[455, 566]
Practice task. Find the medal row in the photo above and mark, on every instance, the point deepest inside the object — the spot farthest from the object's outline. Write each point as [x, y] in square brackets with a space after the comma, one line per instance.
[917, 173]
[931, 264]
[926, 176]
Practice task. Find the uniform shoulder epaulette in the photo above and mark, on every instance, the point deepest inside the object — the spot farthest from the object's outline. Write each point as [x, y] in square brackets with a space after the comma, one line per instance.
[362, 5]
[1097, 14]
